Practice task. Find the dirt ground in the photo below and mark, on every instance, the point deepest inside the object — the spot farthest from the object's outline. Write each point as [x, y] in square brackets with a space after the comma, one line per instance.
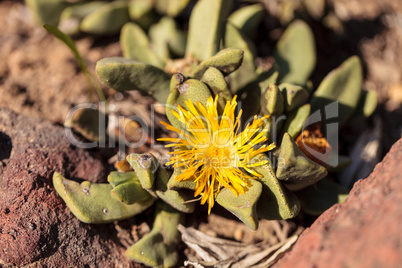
[39, 76]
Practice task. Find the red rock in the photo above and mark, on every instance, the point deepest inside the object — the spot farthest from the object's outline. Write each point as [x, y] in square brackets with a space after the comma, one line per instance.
[36, 227]
[364, 231]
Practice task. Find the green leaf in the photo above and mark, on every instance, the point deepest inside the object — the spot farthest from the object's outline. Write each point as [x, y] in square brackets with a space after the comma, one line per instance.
[247, 18]
[141, 11]
[243, 206]
[367, 104]
[295, 121]
[227, 61]
[172, 8]
[158, 248]
[88, 123]
[246, 72]
[317, 198]
[295, 170]
[123, 74]
[217, 83]
[93, 202]
[294, 96]
[136, 46]
[343, 85]
[276, 201]
[295, 54]
[206, 27]
[47, 11]
[106, 20]
[126, 187]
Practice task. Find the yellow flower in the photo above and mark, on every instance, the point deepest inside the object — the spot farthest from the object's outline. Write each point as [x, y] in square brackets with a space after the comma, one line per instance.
[211, 152]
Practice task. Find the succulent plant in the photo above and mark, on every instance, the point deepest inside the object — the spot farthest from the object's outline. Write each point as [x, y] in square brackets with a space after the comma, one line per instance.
[220, 155]
[102, 17]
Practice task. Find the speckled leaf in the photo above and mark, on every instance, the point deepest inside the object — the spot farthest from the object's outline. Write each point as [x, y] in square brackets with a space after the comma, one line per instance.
[145, 166]
[158, 248]
[276, 201]
[247, 18]
[217, 83]
[206, 27]
[294, 96]
[295, 170]
[89, 123]
[295, 121]
[227, 61]
[243, 206]
[246, 72]
[272, 101]
[295, 53]
[126, 187]
[343, 85]
[172, 8]
[124, 74]
[93, 203]
[141, 11]
[176, 199]
[106, 20]
[317, 198]
[136, 46]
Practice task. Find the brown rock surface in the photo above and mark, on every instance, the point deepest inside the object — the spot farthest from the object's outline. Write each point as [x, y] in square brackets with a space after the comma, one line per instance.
[364, 231]
[36, 227]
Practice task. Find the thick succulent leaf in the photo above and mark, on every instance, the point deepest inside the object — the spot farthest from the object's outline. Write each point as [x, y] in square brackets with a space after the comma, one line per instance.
[172, 8]
[246, 72]
[158, 248]
[272, 101]
[243, 206]
[317, 198]
[276, 201]
[141, 11]
[295, 170]
[206, 27]
[194, 90]
[247, 18]
[126, 187]
[136, 46]
[47, 11]
[177, 43]
[145, 166]
[106, 20]
[295, 121]
[343, 85]
[294, 96]
[217, 83]
[123, 74]
[173, 184]
[295, 53]
[367, 104]
[171, 104]
[71, 16]
[161, 34]
[93, 203]
[176, 199]
[227, 61]
[315, 8]
[90, 123]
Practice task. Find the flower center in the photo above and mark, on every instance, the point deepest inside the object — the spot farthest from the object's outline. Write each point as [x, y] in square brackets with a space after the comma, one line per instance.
[215, 157]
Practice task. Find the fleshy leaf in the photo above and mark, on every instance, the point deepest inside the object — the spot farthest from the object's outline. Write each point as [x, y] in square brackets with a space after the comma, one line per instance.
[106, 20]
[295, 121]
[136, 46]
[276, 201]
[295, 54]
[343, 85]
[93, 202]
[123, 74]
[243, 206]
[206, 27]
[127, 187]
[227, 61]
[158, 248]
[247, 18]
[295, 170]
[217, 83]
[47, 11]
[172, 8]
[294, 96]
[317, 198]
